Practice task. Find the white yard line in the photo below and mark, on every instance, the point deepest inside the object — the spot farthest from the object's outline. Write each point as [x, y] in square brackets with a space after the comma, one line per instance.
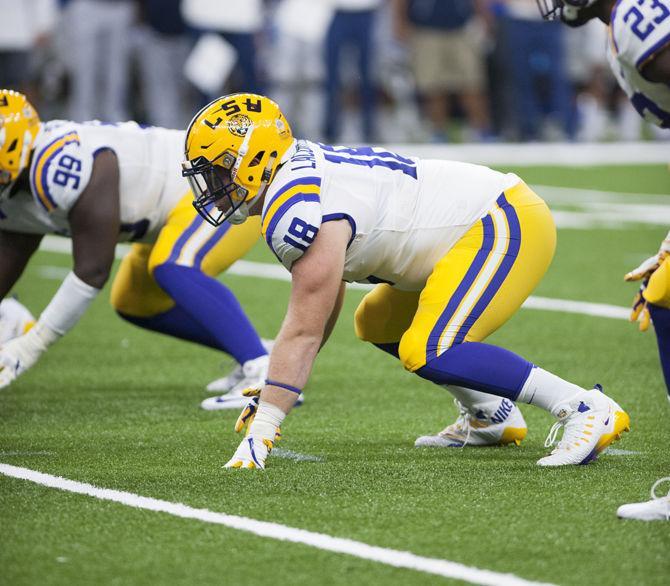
[390, 557]
[579, 195]
[277, 272]
[567, 154]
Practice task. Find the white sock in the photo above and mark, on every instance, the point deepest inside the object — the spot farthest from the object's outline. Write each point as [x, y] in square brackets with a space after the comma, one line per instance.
[268, 418]
[470, 398]
[548, 391]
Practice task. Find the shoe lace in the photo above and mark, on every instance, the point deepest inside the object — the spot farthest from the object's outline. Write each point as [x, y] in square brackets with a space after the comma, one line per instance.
[553, 432]
[463, 420]
[661, 496]
[573, 427]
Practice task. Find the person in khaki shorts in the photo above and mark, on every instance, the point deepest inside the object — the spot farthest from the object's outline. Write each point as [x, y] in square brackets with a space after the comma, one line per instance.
[447, 56]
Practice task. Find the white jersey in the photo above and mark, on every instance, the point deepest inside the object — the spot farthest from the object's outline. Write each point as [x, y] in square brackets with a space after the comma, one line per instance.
[639, 29]
[405, 213]
[150, 181]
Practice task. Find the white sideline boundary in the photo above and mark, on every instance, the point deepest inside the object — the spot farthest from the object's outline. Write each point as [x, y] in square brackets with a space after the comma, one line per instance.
[568, 154]
[245, 268]
[389, 557]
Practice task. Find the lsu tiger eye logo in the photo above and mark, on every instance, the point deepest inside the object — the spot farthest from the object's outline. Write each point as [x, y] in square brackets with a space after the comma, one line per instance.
[239, 124]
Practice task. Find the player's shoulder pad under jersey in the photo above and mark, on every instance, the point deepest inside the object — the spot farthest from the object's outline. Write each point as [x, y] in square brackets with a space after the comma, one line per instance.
[292, 210]
[61, 166]
[640, 29]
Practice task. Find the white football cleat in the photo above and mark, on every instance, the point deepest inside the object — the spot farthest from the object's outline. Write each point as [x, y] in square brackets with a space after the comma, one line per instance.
[657, 509]
[500, 424]
[592, 422]
[231, 400]
[255, 372]
[237, 375]
[240, 376]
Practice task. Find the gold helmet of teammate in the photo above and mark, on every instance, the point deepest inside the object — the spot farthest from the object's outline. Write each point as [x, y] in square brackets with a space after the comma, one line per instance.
[233, 148]
[19, 125]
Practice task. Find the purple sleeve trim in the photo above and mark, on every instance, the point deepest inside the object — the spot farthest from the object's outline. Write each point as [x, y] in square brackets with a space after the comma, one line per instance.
[342, 216]
[279, 214]
[275, 383]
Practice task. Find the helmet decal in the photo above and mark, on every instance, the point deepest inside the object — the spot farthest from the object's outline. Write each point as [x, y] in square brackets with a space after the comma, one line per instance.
[233, 147]
[239, 124]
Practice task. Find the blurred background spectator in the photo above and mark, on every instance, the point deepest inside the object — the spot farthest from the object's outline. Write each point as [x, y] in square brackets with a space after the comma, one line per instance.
[349, 47]
[532, 57]
[98, 53]
[26, 27]
[343, 70]
[295, 64]
[446, 39]
[237, 22]
[162, 46]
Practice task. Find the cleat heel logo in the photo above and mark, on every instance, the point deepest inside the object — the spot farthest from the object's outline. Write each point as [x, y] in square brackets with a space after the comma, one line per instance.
[502, 413]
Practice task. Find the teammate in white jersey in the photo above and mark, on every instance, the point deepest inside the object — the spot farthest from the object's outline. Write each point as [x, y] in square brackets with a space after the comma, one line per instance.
[639, 55]
[454, 248]
[638, 46]
[103, 184]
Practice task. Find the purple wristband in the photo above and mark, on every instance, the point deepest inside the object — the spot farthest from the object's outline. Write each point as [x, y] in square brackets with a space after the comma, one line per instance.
[283, 386]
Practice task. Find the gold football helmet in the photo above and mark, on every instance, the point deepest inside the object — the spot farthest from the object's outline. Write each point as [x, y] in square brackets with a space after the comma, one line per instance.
[19, 125]
[233, 148]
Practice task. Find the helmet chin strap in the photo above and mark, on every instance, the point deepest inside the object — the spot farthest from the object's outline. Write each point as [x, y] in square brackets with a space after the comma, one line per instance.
[241, 214]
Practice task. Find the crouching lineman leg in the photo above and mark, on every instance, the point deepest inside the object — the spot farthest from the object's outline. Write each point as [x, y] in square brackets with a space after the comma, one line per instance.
[652, 305]
[475, 288]
[169, 287]
[652, 302]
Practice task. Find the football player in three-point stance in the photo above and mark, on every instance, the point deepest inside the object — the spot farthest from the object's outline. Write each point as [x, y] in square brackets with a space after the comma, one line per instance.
[454, 249]
[103, 184]
[639, 55]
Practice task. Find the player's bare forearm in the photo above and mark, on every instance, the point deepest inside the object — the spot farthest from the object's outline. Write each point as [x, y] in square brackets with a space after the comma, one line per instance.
[315, 299]
[334, 314]
[15, 252]
[95, 222]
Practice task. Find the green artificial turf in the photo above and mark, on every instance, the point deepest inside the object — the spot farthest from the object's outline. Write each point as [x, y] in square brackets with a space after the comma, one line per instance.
[117, 407]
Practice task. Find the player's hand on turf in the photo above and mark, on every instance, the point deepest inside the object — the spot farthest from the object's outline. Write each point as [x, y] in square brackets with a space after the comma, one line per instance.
[246, 418]
[15, 319]
[648, 266]
[645, 269]
[251, 453]
[640, 312]
[17, 356]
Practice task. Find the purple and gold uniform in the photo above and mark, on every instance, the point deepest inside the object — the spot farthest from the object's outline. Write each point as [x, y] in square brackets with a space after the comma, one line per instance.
[639, 29]
[455, 248]
[155, 205]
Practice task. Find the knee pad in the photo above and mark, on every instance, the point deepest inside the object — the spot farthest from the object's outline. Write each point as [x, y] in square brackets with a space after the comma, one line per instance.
[134, 291]
[384, 314]
[412, 350]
